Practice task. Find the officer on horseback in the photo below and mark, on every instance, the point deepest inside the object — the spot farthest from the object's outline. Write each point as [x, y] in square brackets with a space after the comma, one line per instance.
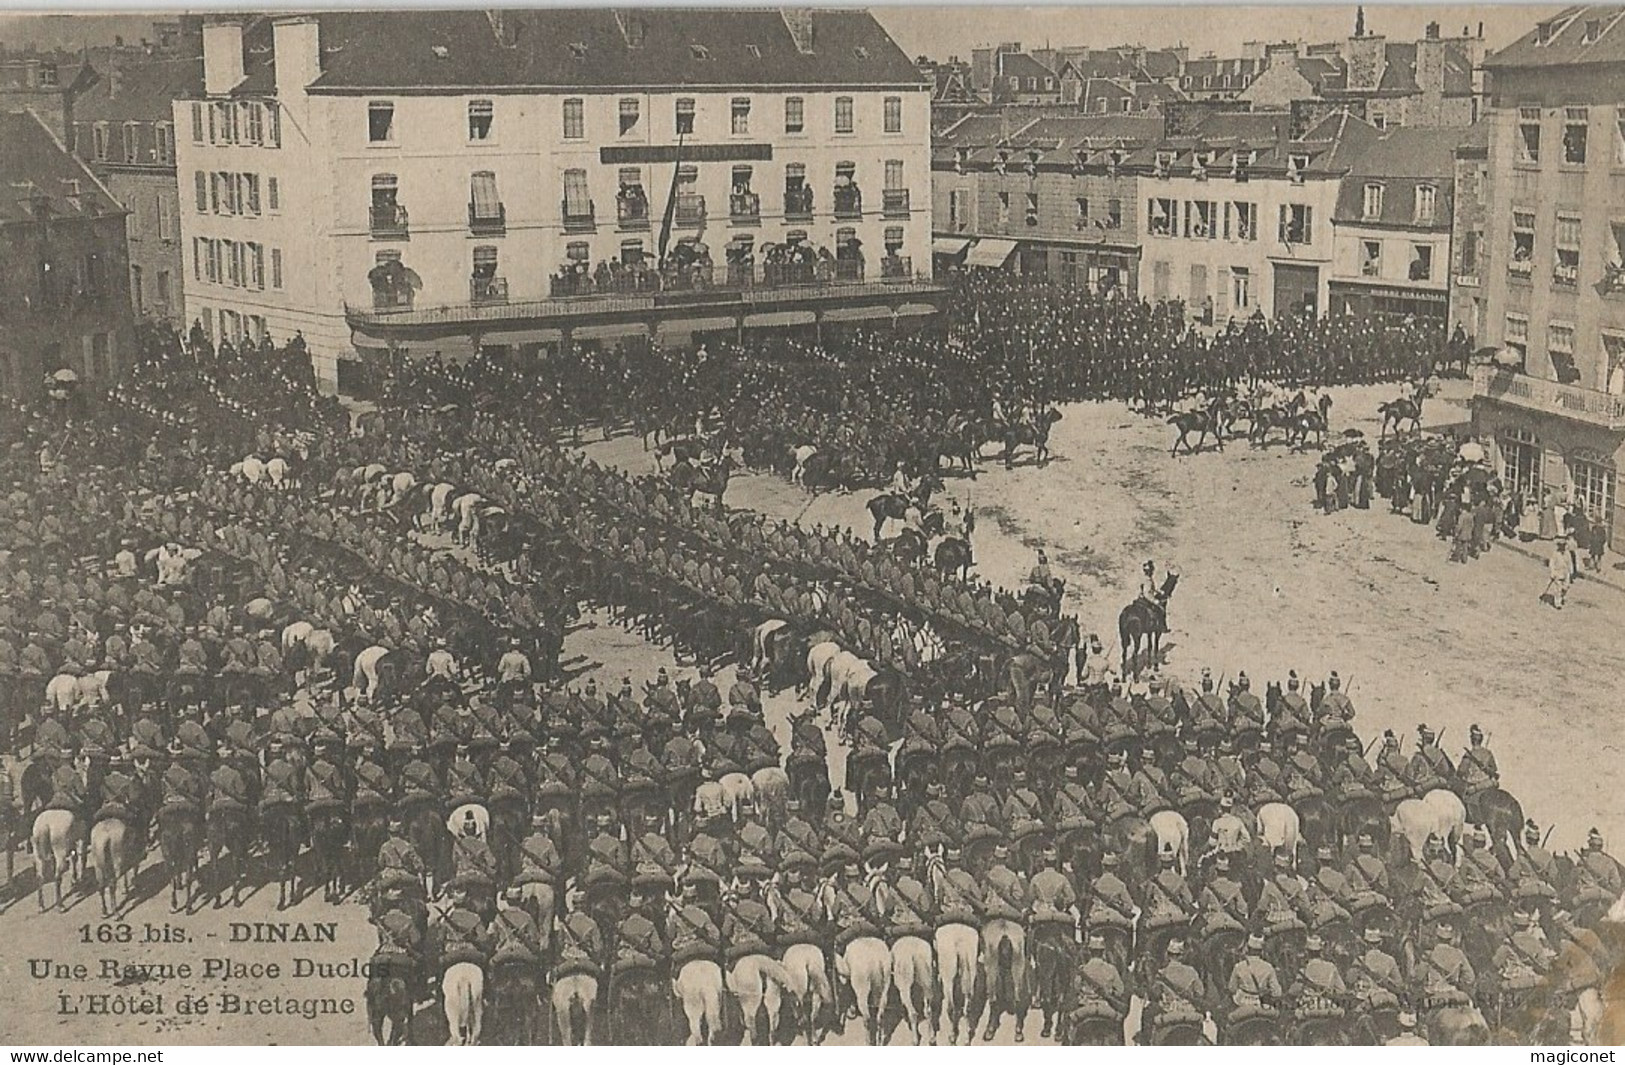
[1478, 771]
[1100, 993]
[1179, 995]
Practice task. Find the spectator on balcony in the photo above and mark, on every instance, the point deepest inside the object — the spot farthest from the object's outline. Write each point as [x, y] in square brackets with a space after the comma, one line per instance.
[632, 203]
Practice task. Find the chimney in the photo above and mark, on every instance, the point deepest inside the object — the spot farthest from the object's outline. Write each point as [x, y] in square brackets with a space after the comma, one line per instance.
[296, 45]
[1366, 58]
[222, 57]
[799, 21]
[115, 79]
[1433, 31]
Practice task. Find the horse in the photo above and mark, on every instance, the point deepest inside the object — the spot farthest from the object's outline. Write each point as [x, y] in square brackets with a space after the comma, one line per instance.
[1004, 967]
[1278, 828]
[1201, 422]
[280, 823]
[1173, 836]
[1053, 966]
[112, 856]
[1309, 421]
[180, 836]
[462, 991]
[807, 976]
[953, 557]
[820, 678]
[1452, 815]
[698, 986]
[1138, 624]
[389, 998]
[376, 675]
[1034, 431]
[573, 999]
[865, 965]
[800, 456]
[329, 839]
[226, 828]
[1418, 821]
[516, 1000]
[1502, 816]
[759, 983]
[913, 975]
[1398, 411]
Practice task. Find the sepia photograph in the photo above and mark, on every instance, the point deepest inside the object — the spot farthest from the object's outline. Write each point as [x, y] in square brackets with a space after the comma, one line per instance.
[894, 526]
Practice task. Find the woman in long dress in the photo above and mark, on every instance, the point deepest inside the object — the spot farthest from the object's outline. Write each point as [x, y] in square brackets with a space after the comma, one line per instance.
[1548, 515]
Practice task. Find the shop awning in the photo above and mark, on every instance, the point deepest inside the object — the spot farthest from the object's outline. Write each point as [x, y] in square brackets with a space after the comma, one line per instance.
[856, 314]
[949, 245]
[991, 251]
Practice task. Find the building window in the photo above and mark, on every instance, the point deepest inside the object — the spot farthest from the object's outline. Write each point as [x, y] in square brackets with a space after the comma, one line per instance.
[1520, 462]
[1199, 218]
[1576, 121]
[201, 180]
[129, 136]
[256, 265]
[1421, 262]
[894, 114]
[577, 201]
[1032, 209]
[276, 268]
[254, 122]
[894, 174]
[795, 114]
[1004, 209]
[273, 195]
[1560, 338]
[1523, 243]
[136, 292]
[1371, 258]
[1591, 484]
[1528, 134]
[1373, 202]
[1517, 333]
[575, 120]
[1297, 223]
[381, 122]
[163, 288]
[1613, 345]
[958, 215]
[1083, 212]
[685, 117]
[251, 194]
[167, 228]
[484, 285]
[843, 114]
[578, 251]
[894, 240]
[273, 125]
[1566, 264]
[484, 206]
[1114, 214]
[1161, 213]
[1241, 287]
[98, 141]
[1426, 198]
[797, 193]
[1619, 135]
[481, 113]
[163, 135]
[197, 123]
[630, 110]
[1245, 216]
[739, 115]
[631, 252]
[1469, 252]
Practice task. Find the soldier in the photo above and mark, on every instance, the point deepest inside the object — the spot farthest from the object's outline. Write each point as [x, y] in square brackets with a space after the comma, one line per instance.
[1478, 771]
[1152, 791]
[1111, 904]
[1533, 871]
[1429, 767]
[743, 691]
[1523, 960]
[1335, 704]
[580, 941]
[520, 943]
[1598, 876]
[1223, 903]
[1351, 775]
[1319, 990]
[748, 925]
[1390, 781]
[1378, 981]
[540, 868]
[1254, 985]
[1444, 972]
[1284, 898]
[461, 935]
[640, 947]
[1193, 780]
[1178, 995]
[1266, 777]
[1099, 991]
[1246, 710]
[1407, 1036]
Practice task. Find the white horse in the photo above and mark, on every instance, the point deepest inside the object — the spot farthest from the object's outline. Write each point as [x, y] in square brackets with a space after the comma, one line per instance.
[573, 998]
[759, 983]
[276, 471]
[850, 677]
[913, 974]
[114, 864]
[1173, 834]
[758, 641]
[463, 991]
[55, 837]
[801, 454]
[865, 965]
[737, 790]
[820, 684]
[463, 814]
[1418, 820]
[1278, 828]
[807, 976]
[466, 507]
[439, 513]
[698, 986]
[1452, 816]
[90, 689]
[770, 787]
[62, 692]
[364, 678]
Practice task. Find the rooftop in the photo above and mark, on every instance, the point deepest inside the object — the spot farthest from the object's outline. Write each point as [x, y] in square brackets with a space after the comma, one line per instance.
[36, 170]
[1578, 35]
[590, 48]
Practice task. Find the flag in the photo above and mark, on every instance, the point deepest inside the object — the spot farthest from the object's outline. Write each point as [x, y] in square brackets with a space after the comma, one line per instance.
[671, 202]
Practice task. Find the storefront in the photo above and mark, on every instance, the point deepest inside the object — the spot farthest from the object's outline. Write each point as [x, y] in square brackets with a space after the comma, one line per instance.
[1389, 303]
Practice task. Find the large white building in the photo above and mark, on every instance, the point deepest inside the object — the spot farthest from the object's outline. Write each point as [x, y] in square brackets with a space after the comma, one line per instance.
[451, 179]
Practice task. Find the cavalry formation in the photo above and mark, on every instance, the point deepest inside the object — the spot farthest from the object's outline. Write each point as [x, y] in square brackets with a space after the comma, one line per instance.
[338, 664]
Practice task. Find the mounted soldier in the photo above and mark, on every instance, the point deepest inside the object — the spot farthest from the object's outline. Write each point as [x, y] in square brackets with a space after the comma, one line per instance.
[1533, 874]
[1101, 997]
[1478, 771]
[1429, 767]
[1178, 996]
[1334, 705]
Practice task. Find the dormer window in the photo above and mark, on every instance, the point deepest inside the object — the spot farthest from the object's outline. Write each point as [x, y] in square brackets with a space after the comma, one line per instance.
[961, 157]
[578, 50]
[1544, 33]
[1165, 160]
[1593, 30]
[753, 51]
[699, 51]
[1000, 161]
[1297, 162]
[1081, 157]
[860, 52]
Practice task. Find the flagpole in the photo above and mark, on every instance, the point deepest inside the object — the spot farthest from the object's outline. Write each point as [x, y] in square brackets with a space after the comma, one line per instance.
[671, 203]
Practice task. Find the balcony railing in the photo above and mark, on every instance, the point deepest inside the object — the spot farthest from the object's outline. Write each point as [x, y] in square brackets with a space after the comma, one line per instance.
[1549, 397]
[798, 203]
[483, 290]
[594, 284]
[848, 202]
[386, 299]
[690, 210]
[741, 275]
[488, 222]
[388, 220]
[896, 266]
[1613, 280]
[579, 218]
[849, 269]
[1565, 275]
[632, 212]
[744, 207]
[775, 274]
[894, 202]
[1521, 268]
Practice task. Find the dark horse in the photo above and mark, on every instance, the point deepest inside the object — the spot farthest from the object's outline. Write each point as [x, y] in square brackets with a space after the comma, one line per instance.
[893, 506]
[1033, 430]
[1139, 623]
[1397, 412]
[1209, 420]
[953, 558]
